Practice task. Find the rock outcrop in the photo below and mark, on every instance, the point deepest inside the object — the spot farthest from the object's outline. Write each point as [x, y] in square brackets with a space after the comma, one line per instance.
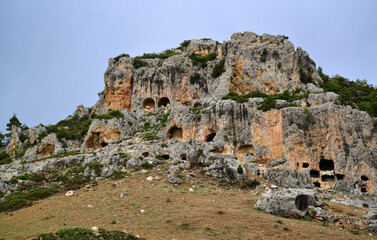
[173, 106]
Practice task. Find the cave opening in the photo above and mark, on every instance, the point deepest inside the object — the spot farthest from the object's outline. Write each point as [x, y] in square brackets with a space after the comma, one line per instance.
[314, 173]
[198, 105]
[339, 176]
[364, 178]
[175, 132]
[302, 202]
[210, 137]
[327, 178]
[163, 102]
[183, 157]
[165, 156]
[363, 190]
[305, 165]
[317, 184]
[149, 104]
[326, 165]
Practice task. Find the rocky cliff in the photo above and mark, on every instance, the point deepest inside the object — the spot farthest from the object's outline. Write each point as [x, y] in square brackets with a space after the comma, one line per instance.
[253, 101]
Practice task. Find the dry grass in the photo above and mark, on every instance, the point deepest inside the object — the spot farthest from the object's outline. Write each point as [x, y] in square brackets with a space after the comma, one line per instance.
[210, 212]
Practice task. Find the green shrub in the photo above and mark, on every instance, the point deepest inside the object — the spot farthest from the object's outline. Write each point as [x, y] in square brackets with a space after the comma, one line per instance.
[251, 184]
[146, 165]
[244, 98]
[275, 54]
[4, 158]
[22, 199]
[304, 77]
[198, 59]
[184, 45]
[267, 104]
[42, 135]
[166, 54]
[263, 57]
[86, 234]
[358, 94]
[240, 170]
[218, 69]
[117, 58]
[138, 63]
[111, 114]
[23, 138]
[96, 166]
[279, 65]
[194, 78]
[71, 129]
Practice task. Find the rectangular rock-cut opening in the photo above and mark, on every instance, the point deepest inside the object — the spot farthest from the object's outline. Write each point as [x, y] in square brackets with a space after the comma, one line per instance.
[327, 178]
[165, 156]
[363, 190]
[305, 165]
[314, 173]
[326, 165]
[364, 178]
[339, 176]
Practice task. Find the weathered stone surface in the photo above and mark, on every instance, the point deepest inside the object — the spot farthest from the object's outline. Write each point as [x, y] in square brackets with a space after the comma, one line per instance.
[48, 147]
[133, 164]
[288, 202]
[101, 132]
[82, 111]
[174, 180]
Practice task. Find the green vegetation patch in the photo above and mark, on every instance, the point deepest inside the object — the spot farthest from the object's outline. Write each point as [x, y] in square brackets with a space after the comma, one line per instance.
[357, 94]
[269, 100]
[218, 69]
[5, 158]
[304, 77]
[111, 114]
[201, 60]
[117, 58]
[86, 234]
[184, 45]
[22, 199]
[71, 129]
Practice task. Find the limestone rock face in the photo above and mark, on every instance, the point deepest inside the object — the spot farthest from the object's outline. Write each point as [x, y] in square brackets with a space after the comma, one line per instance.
[101, 132]
[48, 147]
[82, 111]
[329, 142]
[266, 63]
[174, 109]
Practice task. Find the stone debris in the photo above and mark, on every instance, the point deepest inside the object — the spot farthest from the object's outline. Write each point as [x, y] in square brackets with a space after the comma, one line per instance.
[69, 193]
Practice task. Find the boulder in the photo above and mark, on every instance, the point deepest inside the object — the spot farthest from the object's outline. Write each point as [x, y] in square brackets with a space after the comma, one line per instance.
[288, 202]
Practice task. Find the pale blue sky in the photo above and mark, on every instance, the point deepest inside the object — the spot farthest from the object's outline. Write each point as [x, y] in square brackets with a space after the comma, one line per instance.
[53, 54]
